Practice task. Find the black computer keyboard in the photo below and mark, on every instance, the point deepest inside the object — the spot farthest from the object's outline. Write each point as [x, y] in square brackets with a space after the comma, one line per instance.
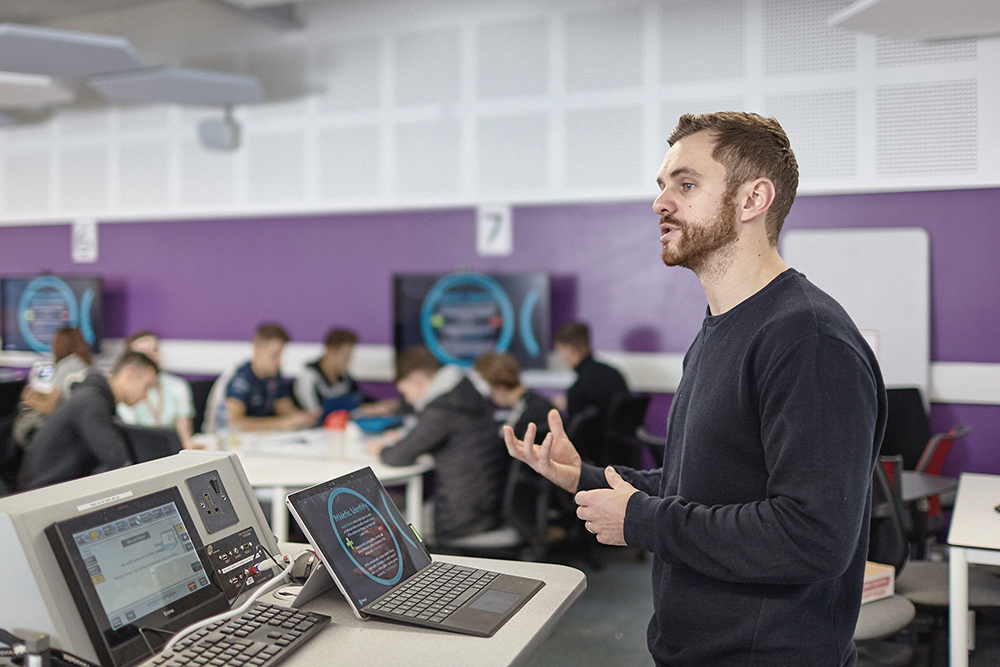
[435, 593]
[262, 636]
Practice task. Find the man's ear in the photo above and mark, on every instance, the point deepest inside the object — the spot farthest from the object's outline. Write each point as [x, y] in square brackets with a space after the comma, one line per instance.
[757, 196]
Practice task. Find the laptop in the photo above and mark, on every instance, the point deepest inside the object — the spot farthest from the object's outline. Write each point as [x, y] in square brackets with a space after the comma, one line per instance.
[383, 570]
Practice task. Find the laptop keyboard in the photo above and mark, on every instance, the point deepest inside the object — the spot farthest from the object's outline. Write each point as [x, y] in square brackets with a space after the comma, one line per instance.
[435, 593]
[262, 636]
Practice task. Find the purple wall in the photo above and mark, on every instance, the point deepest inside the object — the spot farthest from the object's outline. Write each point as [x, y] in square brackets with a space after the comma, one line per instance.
[217, 279]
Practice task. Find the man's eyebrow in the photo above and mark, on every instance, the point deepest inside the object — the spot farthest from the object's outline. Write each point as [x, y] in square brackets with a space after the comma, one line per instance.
[684, 171]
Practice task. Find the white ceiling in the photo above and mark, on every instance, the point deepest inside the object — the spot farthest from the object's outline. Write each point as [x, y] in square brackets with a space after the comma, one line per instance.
[922, 19]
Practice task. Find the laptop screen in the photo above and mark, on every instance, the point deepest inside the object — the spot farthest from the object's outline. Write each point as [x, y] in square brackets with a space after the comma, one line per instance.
[134, 566]
[361, 536]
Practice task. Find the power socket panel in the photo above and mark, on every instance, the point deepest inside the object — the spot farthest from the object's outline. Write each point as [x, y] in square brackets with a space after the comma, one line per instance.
[209, 493]
[237, 561]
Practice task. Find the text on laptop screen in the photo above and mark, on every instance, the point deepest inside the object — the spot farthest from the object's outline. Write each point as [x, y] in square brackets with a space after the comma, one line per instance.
[361, 532]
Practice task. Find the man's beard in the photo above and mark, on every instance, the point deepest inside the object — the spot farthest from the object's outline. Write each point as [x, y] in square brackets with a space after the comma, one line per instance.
[700, 243]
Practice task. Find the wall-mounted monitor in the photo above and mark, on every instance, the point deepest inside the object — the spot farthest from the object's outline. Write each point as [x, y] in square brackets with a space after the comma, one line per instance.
[33, 308]
[459, 316]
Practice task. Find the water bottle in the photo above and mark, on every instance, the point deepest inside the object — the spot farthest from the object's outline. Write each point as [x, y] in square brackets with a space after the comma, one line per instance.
[222, 435]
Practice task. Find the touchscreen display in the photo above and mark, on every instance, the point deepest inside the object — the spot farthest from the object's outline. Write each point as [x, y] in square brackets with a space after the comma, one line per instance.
[134, 566]
[141, 562]
[360, 533]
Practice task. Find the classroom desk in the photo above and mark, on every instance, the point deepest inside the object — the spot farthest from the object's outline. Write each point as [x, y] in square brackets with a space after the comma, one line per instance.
[917, 485]
[280, 462]
[382, 643]
[974, 537]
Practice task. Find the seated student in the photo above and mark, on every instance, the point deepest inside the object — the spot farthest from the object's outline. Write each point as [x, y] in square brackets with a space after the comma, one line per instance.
[80, 437]
[521, 406]
[72, 358]
[455, 423]
[257, 397]
[168, 403]
[327, 378]
[589, 397]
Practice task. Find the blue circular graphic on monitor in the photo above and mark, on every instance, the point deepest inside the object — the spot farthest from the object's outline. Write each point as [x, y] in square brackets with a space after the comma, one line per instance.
[47, 305]
[464, 315]
[348, 546]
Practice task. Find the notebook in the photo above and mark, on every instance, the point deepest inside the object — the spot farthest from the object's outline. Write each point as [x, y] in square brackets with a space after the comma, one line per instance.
[383, 570]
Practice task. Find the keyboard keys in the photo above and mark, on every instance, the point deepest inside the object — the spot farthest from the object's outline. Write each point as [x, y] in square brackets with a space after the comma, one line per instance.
[263, 636]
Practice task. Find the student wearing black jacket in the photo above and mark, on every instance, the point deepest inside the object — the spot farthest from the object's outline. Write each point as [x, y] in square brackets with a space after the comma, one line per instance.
[80, 437]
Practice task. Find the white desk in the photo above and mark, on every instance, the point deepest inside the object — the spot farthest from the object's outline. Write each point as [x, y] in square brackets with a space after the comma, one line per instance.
[974, 537]
[382, 643]
[280, 462]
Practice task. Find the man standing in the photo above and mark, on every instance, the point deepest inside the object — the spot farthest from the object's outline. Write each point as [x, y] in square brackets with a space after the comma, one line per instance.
[257, 397]
[80, 437]
[758, 520]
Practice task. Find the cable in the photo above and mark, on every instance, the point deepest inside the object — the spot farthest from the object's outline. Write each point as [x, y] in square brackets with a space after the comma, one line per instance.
[274, 583]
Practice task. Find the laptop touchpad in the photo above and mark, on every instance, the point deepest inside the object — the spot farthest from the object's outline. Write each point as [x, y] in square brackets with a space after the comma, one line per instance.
[497, 602]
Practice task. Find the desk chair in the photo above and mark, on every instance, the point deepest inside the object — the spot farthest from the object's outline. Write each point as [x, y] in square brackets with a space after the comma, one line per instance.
[907, 426]
[882, 620]
[10, 456]
[531, 505]
[10, 396]
[200, 390]
[215, 396]
[621, 444]
[933, 457]
[146, 443]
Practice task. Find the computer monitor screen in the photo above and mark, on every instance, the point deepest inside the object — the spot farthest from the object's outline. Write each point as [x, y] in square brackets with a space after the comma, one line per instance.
[134, 568]
[459, 316]
[33, 308]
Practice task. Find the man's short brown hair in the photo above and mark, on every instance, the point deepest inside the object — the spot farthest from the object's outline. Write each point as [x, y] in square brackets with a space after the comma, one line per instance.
[499, 369]
[749, 146]
[269, 331]
[137, 360]
[575, 335]
[340, 337]
[416, 359]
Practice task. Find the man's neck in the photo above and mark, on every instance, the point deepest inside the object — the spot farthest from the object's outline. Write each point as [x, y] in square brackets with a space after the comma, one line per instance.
[739, 277]
[330, 369]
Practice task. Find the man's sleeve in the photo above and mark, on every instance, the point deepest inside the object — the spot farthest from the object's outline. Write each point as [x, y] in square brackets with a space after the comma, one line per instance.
[819, 410]
[429, 433]
[238, 388]
[304, 391]
[593, 477]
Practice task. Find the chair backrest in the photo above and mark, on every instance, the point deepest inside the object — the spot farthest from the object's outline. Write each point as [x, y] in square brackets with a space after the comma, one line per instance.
[907, 426]
[216, 395]
[887, 543]
[199, 397]
[584, 429]
[626, 414]
[936, 451]
[147, 443]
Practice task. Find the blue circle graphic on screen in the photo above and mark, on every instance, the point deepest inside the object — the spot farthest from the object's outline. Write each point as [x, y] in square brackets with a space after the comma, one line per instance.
[347, 546]
[47, 305]
[461, 316]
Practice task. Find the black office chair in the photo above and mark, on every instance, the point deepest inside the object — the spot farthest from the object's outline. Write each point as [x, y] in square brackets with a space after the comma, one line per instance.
[621, 444]
[147, 443]
[10, 456]
[907, 426]
[199, 397]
